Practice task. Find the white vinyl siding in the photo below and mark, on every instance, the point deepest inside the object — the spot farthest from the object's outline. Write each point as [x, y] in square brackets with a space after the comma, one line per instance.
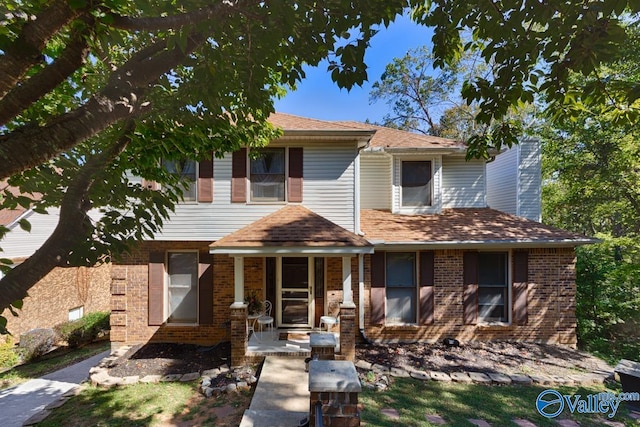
[463, 183]
[436, 182]
[328, 190]
[514, 180]
[375, 181]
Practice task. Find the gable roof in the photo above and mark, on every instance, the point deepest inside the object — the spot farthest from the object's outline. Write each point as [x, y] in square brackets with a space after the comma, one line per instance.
[456, 228]
[379, 137]
[293, 228]
[10, 216]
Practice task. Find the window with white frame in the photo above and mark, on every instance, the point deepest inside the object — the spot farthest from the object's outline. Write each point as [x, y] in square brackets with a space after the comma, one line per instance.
[416, 183]
[401, 287]
[182, 287]
[76, 313]
[267, 175]
[186, 170]
[493, 287]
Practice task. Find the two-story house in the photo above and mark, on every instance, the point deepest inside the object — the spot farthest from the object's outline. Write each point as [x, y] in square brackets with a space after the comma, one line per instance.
[390, 226]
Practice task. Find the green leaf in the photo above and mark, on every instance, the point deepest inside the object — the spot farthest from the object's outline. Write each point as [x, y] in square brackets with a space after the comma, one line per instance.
[25, 225]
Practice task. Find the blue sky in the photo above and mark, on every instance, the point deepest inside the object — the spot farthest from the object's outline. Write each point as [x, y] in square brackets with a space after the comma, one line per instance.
[317, 96]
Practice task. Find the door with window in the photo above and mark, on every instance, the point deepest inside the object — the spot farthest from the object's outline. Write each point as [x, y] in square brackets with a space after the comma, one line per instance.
[296, 287]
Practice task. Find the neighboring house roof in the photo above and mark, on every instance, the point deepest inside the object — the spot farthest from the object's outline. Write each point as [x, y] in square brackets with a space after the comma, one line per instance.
[463, 226]
[8, 217]
[292, 228]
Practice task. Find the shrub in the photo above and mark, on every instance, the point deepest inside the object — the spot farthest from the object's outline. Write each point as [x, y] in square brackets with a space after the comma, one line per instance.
[35, 343]
[85, 330]
[8, 355]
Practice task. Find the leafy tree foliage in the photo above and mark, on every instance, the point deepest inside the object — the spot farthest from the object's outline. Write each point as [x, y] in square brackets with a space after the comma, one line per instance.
[93, 93]
[535, 46]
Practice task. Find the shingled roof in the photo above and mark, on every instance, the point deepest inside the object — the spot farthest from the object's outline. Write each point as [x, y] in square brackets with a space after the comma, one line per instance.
[463, 226]
[292, 227]
[382, 137]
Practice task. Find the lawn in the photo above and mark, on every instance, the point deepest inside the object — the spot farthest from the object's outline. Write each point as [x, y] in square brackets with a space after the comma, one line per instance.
[456, 403]
[162, 404]
[51, 362]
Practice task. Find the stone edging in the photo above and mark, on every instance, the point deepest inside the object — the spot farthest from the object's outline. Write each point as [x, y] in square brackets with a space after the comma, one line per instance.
[383, 371]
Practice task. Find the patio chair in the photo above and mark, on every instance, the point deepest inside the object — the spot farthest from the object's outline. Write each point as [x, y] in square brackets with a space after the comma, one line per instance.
[266, 319]
[329, 321]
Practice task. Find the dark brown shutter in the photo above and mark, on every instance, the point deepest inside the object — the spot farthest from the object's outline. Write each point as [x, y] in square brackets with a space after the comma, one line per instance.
[239, 176]
[205, 180]
[294, 181]
[470, 281]
[520, 287]
[378, 281]
[426, 287]
[156, 288]
[205, 289]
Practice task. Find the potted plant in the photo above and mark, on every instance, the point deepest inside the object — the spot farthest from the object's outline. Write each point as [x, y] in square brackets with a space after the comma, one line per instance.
[255, 305]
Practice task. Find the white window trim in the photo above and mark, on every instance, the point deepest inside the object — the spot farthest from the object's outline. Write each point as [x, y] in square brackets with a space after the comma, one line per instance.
[436, 185]
[167, 315]
[509, 302]
[79, 309]
[250, 201]
[416, 295]
[195, 184]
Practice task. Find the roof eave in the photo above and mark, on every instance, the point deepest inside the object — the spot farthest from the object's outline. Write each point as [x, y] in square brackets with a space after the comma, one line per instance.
[291, 250]
[475, 244]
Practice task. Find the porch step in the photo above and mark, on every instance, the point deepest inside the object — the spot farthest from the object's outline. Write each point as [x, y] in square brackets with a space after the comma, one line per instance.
[282, 394]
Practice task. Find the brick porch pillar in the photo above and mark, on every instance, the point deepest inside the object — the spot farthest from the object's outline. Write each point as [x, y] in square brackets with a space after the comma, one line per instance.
[348, 331]
[239, 334]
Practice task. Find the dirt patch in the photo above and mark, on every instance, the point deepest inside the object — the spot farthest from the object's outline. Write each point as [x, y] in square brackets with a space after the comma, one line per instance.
[488, 357]
[167, 358]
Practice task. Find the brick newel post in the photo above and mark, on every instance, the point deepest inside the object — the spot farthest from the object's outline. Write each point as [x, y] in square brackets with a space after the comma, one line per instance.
[239, 332]
[348, 331]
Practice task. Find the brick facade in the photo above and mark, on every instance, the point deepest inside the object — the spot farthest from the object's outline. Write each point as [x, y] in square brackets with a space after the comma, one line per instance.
[550, 303]
[61, 290]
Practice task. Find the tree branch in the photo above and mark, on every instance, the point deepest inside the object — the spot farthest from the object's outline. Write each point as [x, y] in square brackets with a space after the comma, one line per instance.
[73, 227]
[26, 50]
[22, 96]
[122, 98]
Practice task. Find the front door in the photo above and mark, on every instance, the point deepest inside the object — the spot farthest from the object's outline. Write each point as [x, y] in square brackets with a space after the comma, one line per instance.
[295, 287]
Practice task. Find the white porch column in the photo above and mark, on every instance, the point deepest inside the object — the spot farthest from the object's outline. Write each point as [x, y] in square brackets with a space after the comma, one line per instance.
[238, 285]
[346, 282]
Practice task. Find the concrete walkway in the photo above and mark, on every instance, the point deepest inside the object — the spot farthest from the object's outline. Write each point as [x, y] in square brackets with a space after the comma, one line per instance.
[19, 403]
[281, 398]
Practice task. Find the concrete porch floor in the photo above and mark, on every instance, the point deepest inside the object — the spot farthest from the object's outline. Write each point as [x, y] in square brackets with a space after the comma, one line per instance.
[297, 345]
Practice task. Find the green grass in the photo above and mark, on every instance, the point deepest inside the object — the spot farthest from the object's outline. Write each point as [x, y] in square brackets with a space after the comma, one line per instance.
[49, 363]
[498, 405]
[169, 403]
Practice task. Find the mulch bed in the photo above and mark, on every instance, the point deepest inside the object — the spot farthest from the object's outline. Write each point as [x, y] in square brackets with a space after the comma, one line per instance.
[167, 358]
[487, 357]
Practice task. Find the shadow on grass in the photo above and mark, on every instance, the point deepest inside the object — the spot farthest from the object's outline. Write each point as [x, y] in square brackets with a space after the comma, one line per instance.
[457, 403]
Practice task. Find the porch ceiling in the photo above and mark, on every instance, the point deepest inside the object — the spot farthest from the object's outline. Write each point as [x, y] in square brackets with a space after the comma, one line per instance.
[294, 229]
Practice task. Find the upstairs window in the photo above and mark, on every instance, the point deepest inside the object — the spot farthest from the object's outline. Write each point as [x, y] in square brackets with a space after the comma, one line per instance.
[267, 175]
[186, 170]
[492, 287]
[416, 183]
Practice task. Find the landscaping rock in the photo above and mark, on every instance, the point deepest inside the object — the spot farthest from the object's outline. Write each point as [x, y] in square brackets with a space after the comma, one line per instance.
[521, 379]
[231, 387]
[420, 375]
[398, 372]
[440, 376]
[500, 378]
[242, 385]
[151, 379]
[190, 377]
[133, 379]
[171, 377]
[381, 369]
[541, 379]
[460, 377]
[479, 377]
[211, 373]
[206, 382]
[363, 364]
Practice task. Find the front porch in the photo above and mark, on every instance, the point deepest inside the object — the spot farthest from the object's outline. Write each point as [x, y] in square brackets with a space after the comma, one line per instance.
[284, 342]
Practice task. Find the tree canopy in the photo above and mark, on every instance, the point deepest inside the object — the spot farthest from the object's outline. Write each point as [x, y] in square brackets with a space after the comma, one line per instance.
[94, 92]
